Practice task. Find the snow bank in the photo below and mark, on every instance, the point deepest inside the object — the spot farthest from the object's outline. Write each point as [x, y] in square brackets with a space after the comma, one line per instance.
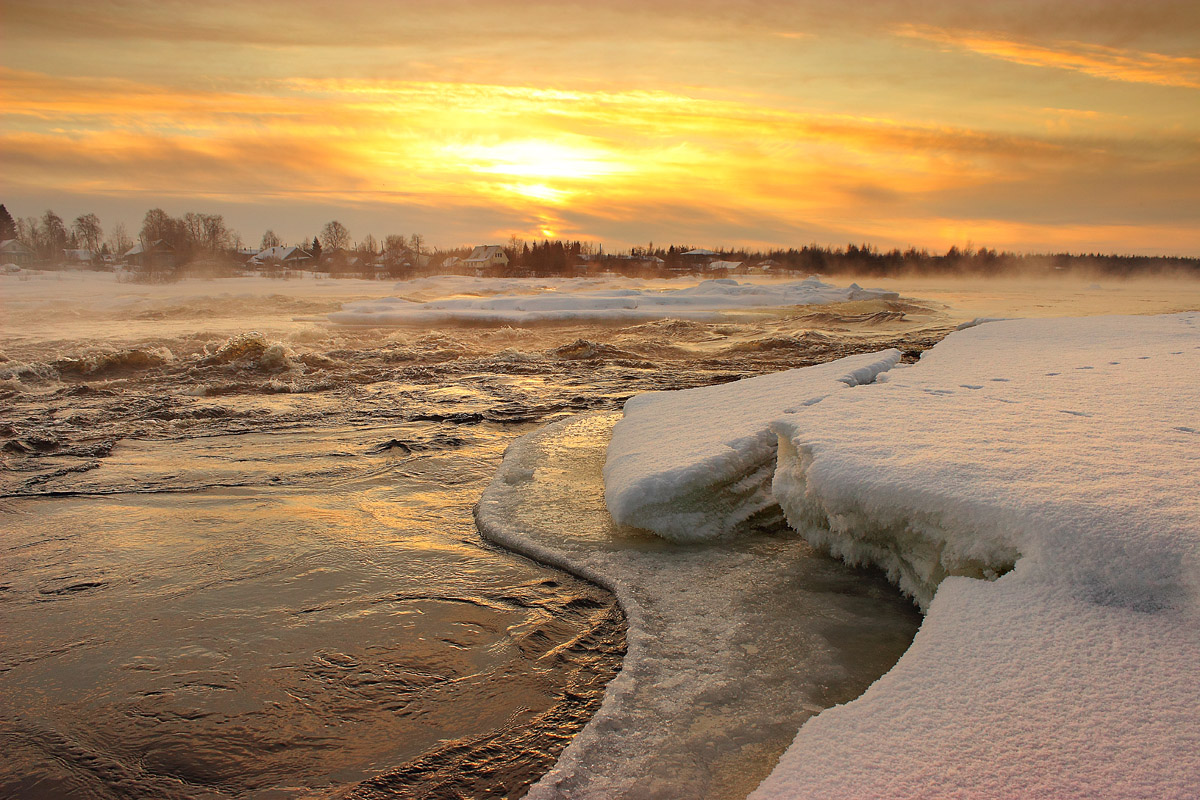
[705, 301]
[1064, 456]
[1035, 486]
[697, 464]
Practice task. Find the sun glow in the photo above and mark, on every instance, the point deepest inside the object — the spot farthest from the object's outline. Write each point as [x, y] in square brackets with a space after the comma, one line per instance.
[537, 191]
[532, 158]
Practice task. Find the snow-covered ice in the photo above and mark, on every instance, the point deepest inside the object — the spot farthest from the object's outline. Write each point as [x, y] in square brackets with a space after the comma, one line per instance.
[705, 301]
[1066, 450]
[730, 648]
[698, 464]
[1035, 485]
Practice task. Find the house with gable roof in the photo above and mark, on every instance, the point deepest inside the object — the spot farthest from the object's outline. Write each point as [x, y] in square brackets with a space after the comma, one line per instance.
[14, 251]
[486, 256]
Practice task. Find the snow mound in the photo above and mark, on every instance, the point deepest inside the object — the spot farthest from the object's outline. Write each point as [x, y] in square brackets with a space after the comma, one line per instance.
[698, 464]
[1063, 458]
[706, 301]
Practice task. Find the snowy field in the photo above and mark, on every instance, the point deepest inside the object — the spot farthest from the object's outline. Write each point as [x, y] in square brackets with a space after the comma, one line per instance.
[52, 305]
[706, 301]
[1035, 486]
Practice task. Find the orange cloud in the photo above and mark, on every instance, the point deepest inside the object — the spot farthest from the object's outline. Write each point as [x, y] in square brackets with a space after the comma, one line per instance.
[572, 162]
[1110, 63]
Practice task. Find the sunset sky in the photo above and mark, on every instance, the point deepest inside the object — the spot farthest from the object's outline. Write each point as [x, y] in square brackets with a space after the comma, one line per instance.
[1017, 125]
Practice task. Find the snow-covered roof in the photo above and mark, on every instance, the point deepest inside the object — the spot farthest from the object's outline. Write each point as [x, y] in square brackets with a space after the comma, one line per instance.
[700, 251]
[282, 253]
[724, 264]
[485, 252]
[139, 248]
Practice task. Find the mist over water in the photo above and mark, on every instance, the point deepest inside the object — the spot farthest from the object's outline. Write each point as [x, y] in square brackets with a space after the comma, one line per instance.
[239, 557]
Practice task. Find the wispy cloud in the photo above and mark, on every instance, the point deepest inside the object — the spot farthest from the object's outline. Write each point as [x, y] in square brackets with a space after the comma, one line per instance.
[1098, 61]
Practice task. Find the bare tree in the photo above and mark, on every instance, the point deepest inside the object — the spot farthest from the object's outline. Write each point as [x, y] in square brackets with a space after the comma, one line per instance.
[334, 236]
[269, 240]
[27, 232]
[193, 223]
[416, 243]
[213, 233]
[155, 225]
[368, 245]
[87, 228]
[119, 240]
[394, 244]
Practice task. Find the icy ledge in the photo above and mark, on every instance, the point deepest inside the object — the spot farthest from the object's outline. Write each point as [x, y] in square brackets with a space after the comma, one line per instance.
[1070, 449]
[698, 464]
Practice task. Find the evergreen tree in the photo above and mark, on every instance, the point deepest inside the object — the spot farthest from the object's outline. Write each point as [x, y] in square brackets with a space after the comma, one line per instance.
[316, 249]
[8, 226]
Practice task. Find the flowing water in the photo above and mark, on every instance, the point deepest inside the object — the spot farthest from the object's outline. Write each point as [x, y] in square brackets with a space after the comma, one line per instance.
[238, 556]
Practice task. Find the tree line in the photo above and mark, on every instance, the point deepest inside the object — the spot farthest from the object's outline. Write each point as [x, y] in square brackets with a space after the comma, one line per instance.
[198, 236]
[206, 237]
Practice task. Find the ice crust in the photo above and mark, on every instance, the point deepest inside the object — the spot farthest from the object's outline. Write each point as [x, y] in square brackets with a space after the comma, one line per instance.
[705, 301]
[1058, 460]
[698, 464]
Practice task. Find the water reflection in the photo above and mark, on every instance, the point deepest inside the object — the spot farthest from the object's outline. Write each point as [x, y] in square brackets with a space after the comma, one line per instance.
[246, 565]
[278, 638]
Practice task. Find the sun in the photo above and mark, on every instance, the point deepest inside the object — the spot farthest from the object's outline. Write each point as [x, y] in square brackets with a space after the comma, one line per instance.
[537, 160]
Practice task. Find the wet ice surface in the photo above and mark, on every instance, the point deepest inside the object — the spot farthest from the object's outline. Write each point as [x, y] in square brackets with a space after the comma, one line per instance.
[238, 557]
[731, 648]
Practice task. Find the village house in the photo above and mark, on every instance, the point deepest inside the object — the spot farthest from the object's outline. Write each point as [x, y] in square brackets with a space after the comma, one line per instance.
[244, 255]
[340, 260]
[14, 251]
[724, 266]
[154, 256]
[486, 257]
[79, 258]
[281, 256]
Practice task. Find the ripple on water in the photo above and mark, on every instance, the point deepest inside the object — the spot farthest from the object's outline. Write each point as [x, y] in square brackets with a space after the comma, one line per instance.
[347, 629]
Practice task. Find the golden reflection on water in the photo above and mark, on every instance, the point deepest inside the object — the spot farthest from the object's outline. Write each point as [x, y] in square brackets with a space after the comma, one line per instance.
[306, 632]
